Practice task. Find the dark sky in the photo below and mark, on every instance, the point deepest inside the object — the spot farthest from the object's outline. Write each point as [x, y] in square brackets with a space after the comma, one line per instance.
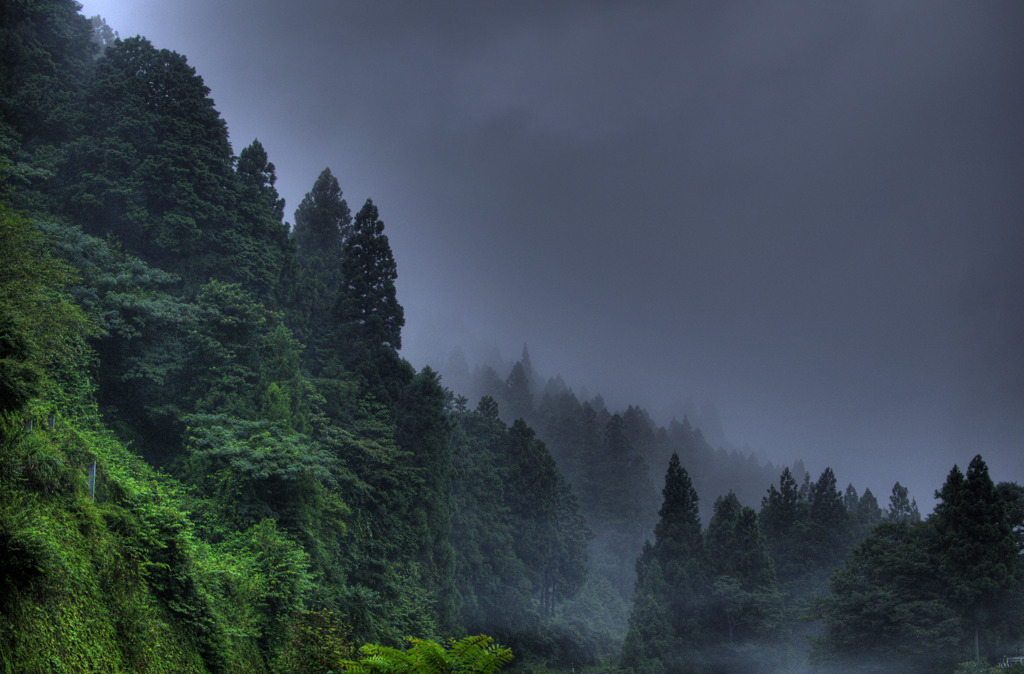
[809, 213]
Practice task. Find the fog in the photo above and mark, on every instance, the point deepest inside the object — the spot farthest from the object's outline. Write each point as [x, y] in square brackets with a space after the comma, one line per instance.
[807, 214]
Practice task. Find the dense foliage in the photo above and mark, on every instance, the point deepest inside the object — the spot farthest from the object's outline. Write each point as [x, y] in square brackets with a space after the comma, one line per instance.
[928, 593]
[214, 459]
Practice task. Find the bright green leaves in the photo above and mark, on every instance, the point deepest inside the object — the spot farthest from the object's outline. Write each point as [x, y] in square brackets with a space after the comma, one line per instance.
[279, 570]
[20, 375]
[259, 470]
[469, 655]
[42, 333]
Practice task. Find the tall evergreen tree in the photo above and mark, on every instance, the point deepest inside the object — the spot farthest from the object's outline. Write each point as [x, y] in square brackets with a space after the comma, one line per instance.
[868, 514]
[368, 306]
[901, 507]
[553, 535]
[736, 546]
[322, 221]
[744, 605]
[518, 395]
[672, 572]
[829, 521]
[264, 253]
[784, 522]
[976, 547]
[619, 501]
[368, 316]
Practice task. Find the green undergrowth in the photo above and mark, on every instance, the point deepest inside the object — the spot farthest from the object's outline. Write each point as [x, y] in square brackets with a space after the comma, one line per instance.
[119, 583]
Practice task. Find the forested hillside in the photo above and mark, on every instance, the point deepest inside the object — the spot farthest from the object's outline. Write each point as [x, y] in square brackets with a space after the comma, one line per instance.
[213, 457]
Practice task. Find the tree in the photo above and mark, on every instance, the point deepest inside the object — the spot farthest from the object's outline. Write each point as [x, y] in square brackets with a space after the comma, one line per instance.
[322, 221]
[742, 597]
[650, 636]
[154, 166]
[103, 35]
[829, 521]
[914, 594]
[142, 324]
[552, 535]
[976, 547]
[46, 56]
[885, 610]
[671, 573]
[736, 547]
[619, 501]
[497, 595]
[368, 308]
[367, 314]
[43, 334]
[520, 540]
[264, 251]
[901, 507]
[868, 514]
[783, 520]
[517, 391]
[422, 430]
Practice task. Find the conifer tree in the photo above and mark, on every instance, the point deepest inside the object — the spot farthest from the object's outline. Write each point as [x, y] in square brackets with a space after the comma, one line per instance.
[976, 547]
[264, 253]
[322, 221]
[678, 559]
[367, 314]
[368, 306]
[868, 514]
[650, 637]
[552, 535]
[736, 546]
[517, 391]
[901, 507]
[744, 604]
[828, 521]
[783, 520]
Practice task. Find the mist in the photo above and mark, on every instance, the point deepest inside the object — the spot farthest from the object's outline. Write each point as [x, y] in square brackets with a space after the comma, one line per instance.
[807, 215]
